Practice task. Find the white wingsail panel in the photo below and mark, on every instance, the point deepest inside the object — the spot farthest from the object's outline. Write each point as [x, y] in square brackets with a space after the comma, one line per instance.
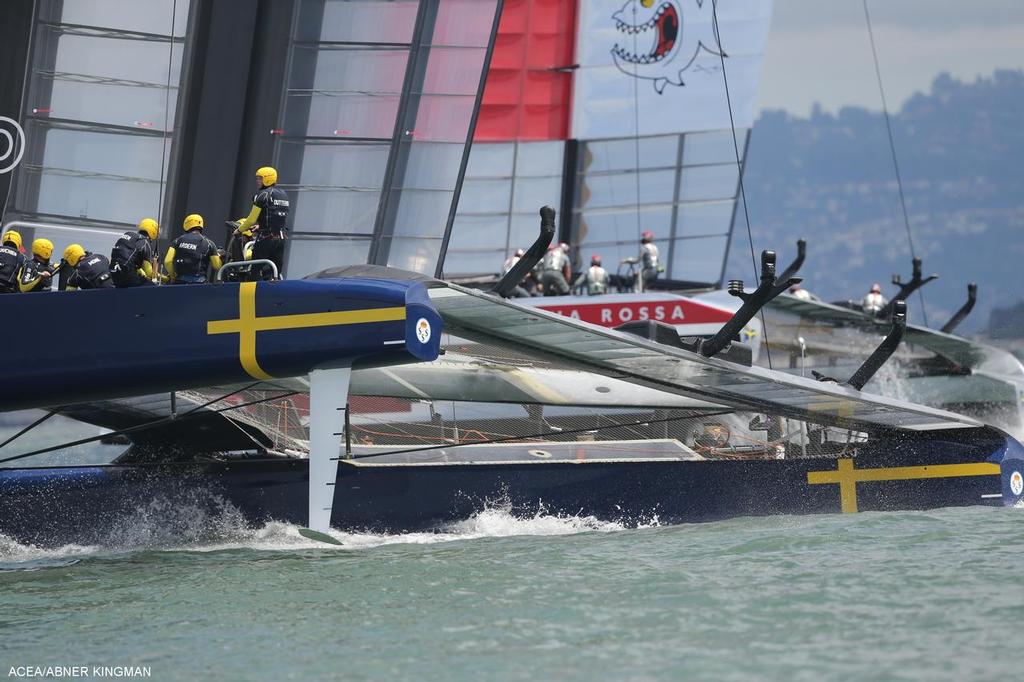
[649, 70]
[480, 316]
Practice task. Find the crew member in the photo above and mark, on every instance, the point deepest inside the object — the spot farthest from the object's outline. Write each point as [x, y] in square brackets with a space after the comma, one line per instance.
[801, 293]
[11, 262]
[596, 278]
[131, 258]
[37, 274]
[91, 270]
[649, 266]
[520, 290]
[267, 220]
[191, 255]
[556, 271]
[873, 302]
[511, 261]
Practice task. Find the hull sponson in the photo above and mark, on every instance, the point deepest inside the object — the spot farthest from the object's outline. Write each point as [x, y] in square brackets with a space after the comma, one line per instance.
[54, 506]
[123, 342]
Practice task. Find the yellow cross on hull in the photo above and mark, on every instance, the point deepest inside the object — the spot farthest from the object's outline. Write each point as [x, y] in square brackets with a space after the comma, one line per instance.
[848, 477]
[247, 324]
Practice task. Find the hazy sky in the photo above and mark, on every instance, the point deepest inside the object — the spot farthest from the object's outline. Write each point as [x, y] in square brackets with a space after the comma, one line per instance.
[818, 50]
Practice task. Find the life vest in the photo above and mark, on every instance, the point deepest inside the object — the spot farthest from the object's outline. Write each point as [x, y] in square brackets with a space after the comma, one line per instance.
[649, 256]
[192, 252]
[555, 259]
[31, 271]
[11, 261]
[274, 207]
[597, 280]
[873, 303]
[92, 272]
[130, 251]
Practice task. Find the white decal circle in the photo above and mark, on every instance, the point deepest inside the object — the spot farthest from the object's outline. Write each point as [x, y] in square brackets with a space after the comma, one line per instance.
[423, 330]
[8, 145]
[1016, 483]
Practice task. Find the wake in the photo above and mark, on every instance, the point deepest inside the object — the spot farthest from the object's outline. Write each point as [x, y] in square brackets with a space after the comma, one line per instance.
[161, 526]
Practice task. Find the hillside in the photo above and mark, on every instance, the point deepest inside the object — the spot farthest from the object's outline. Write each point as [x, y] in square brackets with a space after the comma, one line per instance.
[829, 178]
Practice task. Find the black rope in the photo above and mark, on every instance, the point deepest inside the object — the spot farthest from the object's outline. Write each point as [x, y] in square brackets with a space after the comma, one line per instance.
[28, 428]
[739, 170]
[507, 439]
[152, 424]
[892, 150]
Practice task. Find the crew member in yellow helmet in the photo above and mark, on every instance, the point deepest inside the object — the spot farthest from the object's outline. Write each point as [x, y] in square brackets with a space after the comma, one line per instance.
[267, 221]
[12, 260]
[131, 259]
[190, 257]
[91, 270]
[37, 275]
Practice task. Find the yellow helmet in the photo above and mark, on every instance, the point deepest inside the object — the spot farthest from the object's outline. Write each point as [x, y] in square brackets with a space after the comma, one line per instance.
[73, 254]
[192, 222]
[150, 227]
[42, 248]
[267, 175]
[14, 238]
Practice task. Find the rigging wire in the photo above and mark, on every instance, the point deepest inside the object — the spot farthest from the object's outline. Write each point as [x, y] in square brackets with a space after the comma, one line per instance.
[636, 140]
[28, 428]
[546, 434]
[167, 110]
[739, 169]
[892, 150]
[154, 423]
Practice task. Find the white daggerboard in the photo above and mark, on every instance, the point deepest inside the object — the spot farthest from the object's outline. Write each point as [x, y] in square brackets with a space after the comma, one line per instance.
[328, 398]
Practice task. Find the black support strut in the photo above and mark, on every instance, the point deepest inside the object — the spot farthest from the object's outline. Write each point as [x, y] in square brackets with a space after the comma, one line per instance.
[965, 309]
[906, 289]
[885, 349]
[532, 256]
[768, 289]
[801, 254]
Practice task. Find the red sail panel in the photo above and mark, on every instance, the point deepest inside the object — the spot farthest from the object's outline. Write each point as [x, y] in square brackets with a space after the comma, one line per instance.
[524, 98]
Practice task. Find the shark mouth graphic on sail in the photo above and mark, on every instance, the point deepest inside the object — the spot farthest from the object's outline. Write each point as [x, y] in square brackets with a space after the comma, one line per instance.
[660, 42]
[662, 29]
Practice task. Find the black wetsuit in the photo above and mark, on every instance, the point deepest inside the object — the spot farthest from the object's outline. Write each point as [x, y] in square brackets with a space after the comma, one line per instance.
[126, 259]
[92, 272]
[11, 262]
[270, 227]
[192, 252]
[31, 271]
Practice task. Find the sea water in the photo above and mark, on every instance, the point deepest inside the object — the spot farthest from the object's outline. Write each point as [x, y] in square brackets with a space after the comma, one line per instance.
[933, 595]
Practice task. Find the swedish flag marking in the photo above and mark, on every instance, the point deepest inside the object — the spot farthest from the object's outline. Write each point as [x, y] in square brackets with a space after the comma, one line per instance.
[247, 324]
[848, 477]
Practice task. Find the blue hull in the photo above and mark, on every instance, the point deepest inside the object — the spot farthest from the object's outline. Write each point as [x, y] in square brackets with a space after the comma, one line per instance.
[54, 506]
[127, 342]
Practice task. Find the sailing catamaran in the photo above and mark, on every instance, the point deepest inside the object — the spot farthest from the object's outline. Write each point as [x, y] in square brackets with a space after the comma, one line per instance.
[370, 397]
[708, 437]
[934, 367]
